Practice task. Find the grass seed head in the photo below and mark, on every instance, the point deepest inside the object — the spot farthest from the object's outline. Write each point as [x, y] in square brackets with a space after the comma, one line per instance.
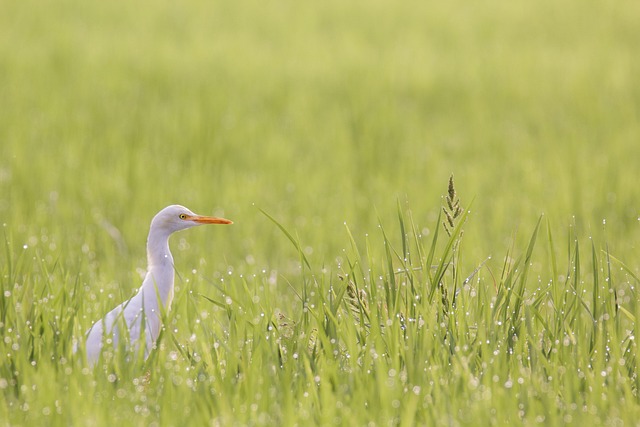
[452, 210]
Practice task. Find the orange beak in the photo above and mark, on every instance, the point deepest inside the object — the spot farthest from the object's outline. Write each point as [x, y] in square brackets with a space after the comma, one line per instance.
[208, 220]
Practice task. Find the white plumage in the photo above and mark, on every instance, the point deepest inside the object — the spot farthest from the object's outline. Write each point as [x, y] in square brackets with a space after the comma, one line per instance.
[141, 316]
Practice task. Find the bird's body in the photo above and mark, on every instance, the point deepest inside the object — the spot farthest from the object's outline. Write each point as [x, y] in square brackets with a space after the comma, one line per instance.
[141, 316]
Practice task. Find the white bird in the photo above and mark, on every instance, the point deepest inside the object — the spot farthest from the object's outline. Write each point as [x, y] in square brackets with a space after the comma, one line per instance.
[141, 316]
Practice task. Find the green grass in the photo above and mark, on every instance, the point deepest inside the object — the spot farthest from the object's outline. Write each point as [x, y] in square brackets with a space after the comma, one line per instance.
[403, 338]
[348, 302]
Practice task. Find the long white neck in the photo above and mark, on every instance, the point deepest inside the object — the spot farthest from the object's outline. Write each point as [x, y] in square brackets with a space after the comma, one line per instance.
[160, 266]
[158, 253]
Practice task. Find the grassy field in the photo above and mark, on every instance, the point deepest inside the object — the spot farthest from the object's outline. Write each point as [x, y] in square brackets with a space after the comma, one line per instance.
[328, 133]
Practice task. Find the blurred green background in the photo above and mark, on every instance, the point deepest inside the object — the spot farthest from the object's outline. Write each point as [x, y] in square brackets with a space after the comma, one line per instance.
[320, 113]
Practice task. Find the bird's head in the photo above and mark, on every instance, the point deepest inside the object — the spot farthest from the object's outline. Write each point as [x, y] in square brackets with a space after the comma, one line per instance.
[176, 217]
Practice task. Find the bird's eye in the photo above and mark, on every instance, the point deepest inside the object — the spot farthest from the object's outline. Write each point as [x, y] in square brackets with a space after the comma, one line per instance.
[182, 216]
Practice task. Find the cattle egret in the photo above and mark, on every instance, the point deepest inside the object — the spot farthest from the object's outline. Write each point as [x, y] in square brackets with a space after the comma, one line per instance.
[144, 310]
